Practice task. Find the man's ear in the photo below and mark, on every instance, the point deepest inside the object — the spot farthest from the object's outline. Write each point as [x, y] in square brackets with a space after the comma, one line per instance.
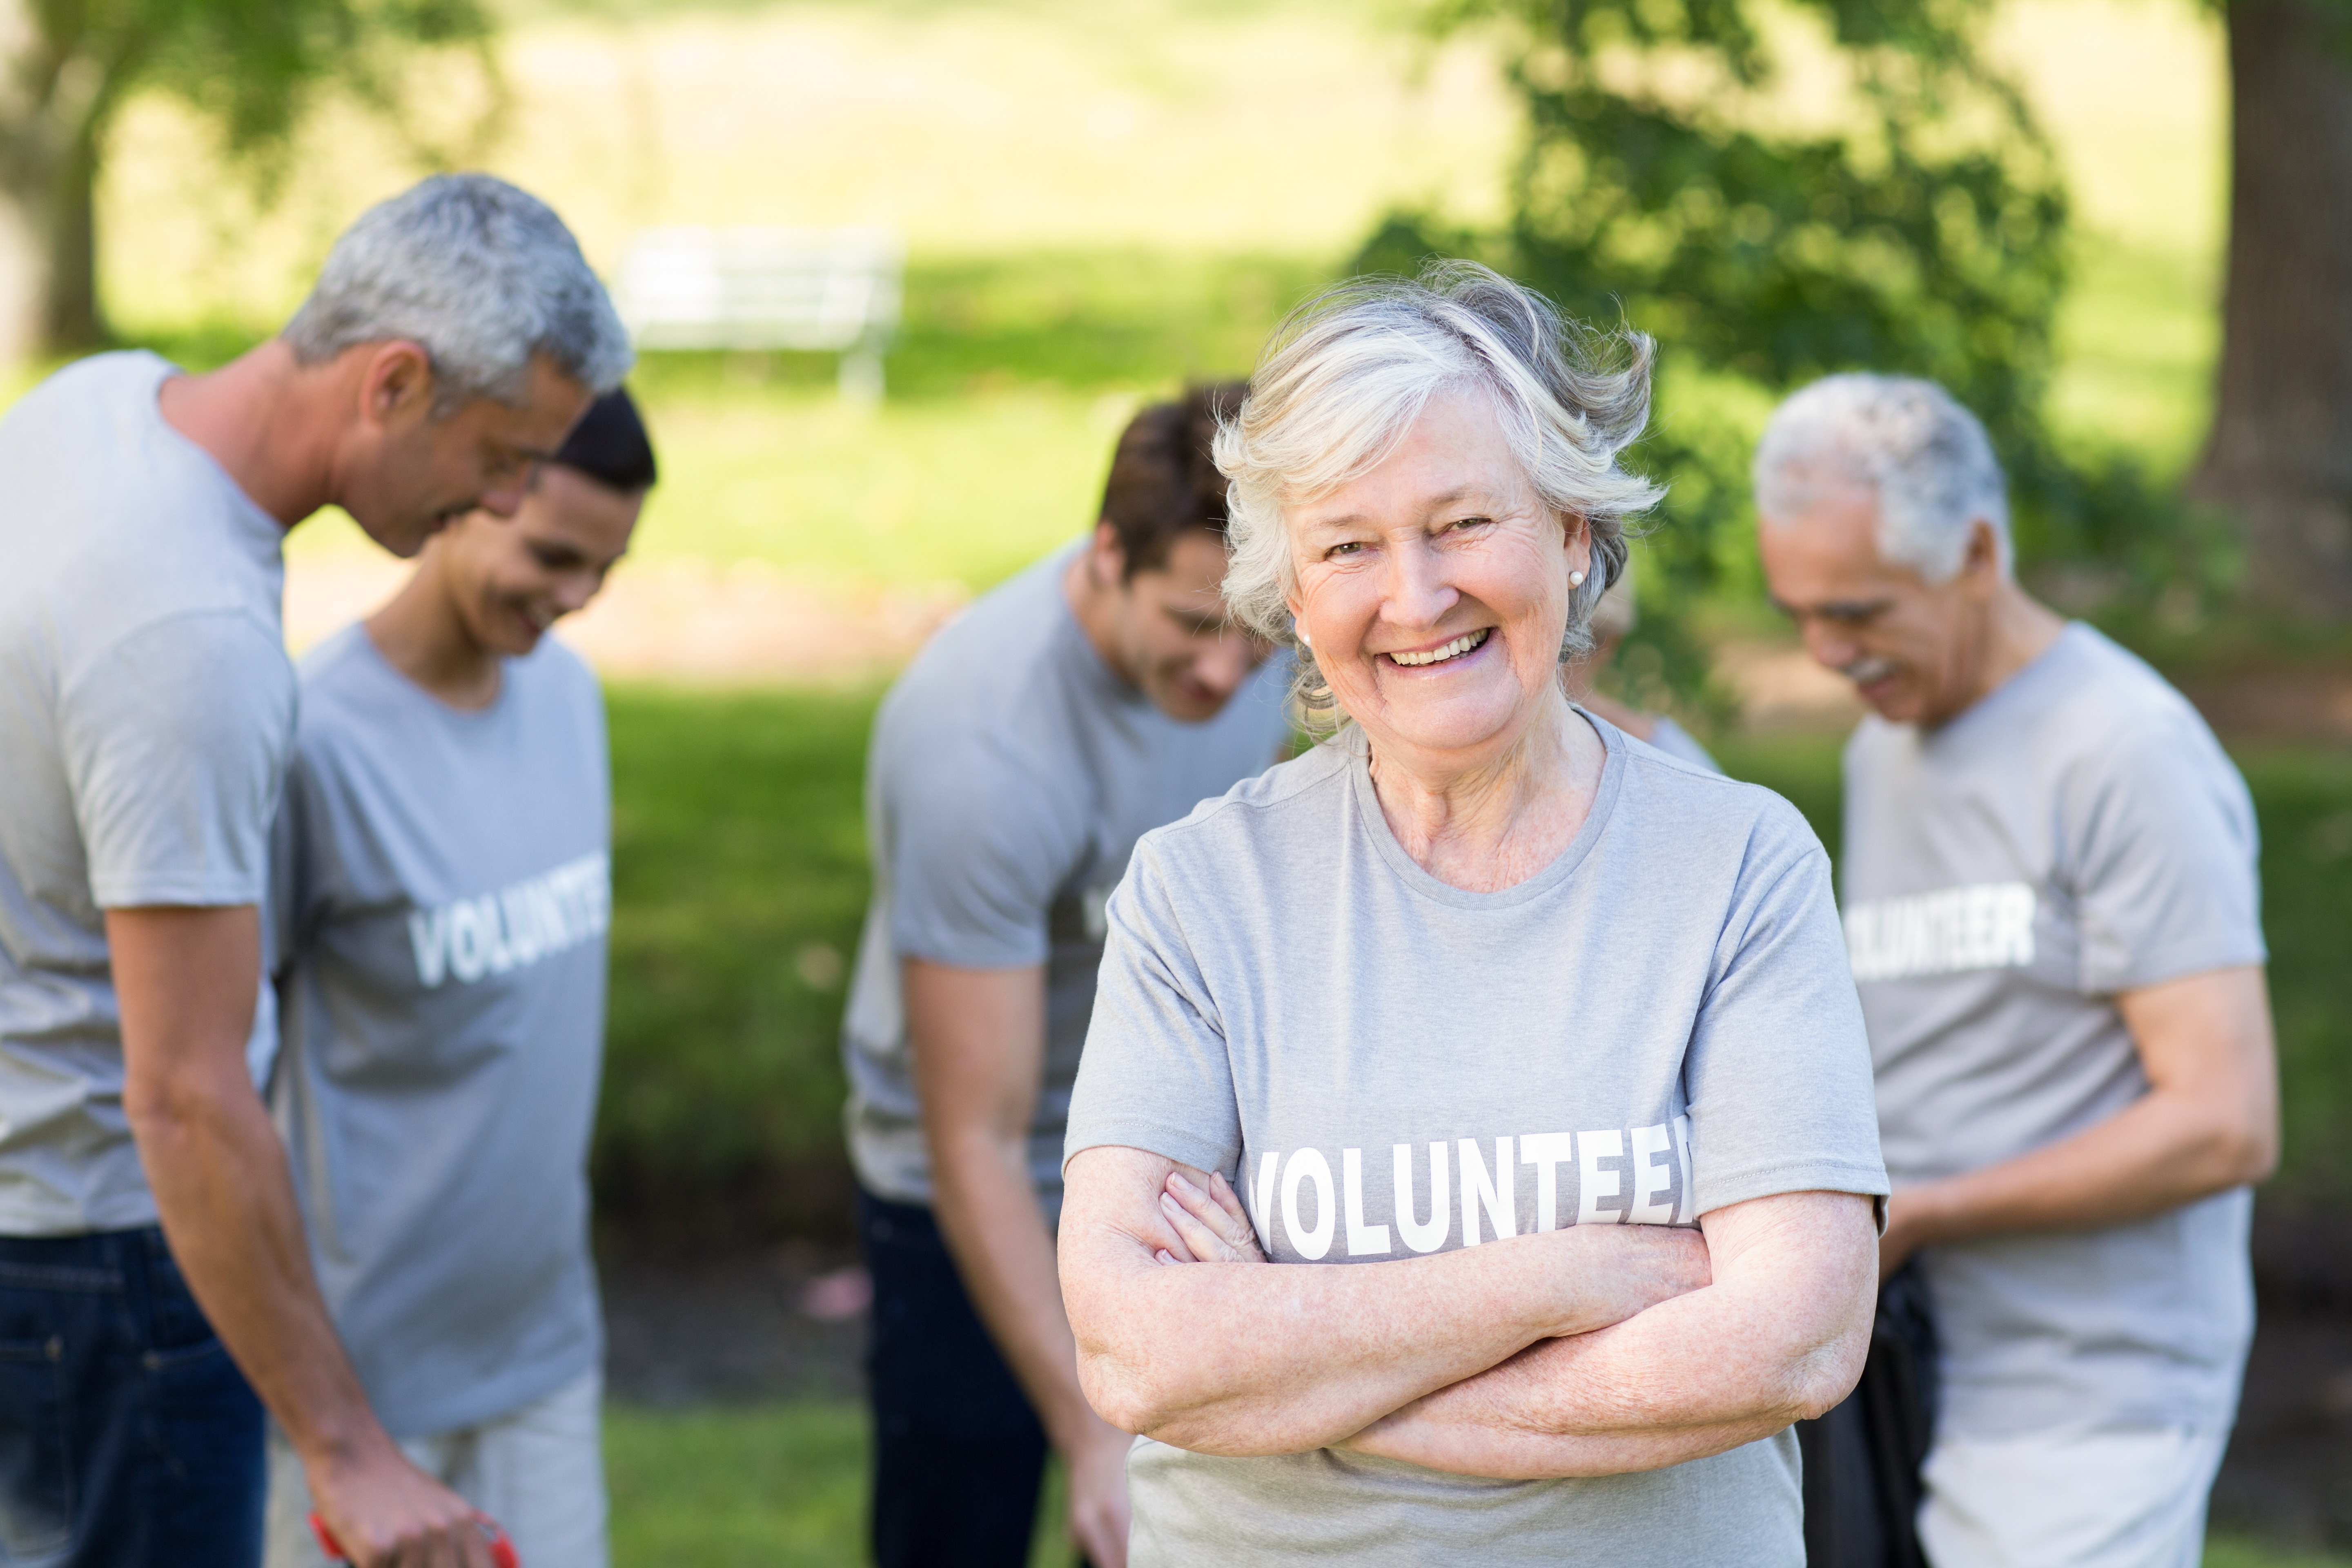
[1982, 562]
[397, 387]
[1109, 556]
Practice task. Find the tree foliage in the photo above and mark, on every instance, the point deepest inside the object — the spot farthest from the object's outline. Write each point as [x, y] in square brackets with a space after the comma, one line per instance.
[254, 67]
[1775, 206]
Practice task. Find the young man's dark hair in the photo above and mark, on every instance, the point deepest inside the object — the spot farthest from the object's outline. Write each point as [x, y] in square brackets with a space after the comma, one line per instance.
[1161, 479]
[610, 444]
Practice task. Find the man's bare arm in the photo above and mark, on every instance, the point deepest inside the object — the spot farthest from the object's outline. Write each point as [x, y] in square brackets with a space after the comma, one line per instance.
[1778, 1336]
[186, 980]
[1239, 1357]
[979, 1040]
[2208, 1122]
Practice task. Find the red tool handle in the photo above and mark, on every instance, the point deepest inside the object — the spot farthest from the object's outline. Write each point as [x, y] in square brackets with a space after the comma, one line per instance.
[502, 1552]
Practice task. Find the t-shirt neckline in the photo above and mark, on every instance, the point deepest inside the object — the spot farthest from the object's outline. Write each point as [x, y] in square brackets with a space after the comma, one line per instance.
[2017, 690]
[1564, 865]
[471, 717]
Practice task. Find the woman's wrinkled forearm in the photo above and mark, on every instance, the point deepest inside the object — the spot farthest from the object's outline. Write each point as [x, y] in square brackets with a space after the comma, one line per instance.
[1779, 1336]
[1506, 1453]
[1247, 1358]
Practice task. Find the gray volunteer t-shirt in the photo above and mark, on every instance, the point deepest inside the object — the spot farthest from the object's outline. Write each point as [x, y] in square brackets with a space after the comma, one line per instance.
[442, 892]
[146, 705]
[2076, 833]
[1655, 1026]
[1010, 774]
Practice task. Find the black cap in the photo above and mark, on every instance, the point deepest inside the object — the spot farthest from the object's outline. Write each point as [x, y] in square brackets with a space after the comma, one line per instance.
[610, 444]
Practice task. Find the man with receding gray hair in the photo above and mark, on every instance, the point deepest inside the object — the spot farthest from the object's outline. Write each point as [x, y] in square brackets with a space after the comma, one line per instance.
[2050, 907]
[153, 1273]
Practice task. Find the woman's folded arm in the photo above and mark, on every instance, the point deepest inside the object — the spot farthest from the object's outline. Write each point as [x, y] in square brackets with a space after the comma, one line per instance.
[1225, 1355]
[1778, 1336]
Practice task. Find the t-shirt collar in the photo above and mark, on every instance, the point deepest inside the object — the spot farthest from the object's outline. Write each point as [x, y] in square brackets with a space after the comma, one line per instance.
[1564, 865]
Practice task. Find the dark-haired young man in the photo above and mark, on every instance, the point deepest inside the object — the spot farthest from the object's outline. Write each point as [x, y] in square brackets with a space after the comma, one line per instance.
[440, 894]
[1096, 696]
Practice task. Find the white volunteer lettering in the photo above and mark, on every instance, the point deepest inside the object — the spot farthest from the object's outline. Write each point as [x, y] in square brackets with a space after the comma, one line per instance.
[1591, 1148]
[1426, 1236]
[1652, 1179]
[516, 926]
[428, 937]
[1262, 1200]
[1502, 1207]
[1547, 1152]
[469, 948]
[1363, 1240]
[1648, 1183]
[1308, 1164]
[1681, 1128]
[1989, 926]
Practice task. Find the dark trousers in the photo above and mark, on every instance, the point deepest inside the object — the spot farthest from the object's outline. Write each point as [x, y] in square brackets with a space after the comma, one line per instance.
[958, 1453]
[128, 1438]
[1861, 1460]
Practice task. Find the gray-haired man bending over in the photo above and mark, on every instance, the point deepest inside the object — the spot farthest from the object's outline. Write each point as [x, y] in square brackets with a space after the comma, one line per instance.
[146, 710]
[2051, 907]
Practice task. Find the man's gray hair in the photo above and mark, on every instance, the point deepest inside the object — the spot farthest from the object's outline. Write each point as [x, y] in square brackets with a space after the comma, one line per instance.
[482, 275]
[1347, 374]
[1927, 459]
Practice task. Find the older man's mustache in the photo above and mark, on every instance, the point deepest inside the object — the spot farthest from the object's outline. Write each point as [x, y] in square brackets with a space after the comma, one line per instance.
[1865, 672]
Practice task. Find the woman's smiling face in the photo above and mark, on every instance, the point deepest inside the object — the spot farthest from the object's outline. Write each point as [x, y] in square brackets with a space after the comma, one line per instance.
[1434, 588]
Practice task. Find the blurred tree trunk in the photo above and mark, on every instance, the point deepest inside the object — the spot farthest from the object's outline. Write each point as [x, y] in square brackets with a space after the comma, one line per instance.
[2280, 454]
[62, 74]
[53, 278]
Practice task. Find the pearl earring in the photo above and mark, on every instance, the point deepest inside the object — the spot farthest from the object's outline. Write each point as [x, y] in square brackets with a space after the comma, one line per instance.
[1576, 579]
[1304, 640]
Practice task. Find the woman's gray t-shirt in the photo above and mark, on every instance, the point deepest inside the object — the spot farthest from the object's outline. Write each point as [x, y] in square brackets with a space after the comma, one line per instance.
[1657, 1025]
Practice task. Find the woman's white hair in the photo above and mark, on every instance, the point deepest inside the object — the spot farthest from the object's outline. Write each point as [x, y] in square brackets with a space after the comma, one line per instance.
[1347, 374]
[1909, 440]
[482, 275]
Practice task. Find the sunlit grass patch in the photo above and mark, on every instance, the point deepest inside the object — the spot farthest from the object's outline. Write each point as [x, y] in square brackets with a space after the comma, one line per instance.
[775, 1486]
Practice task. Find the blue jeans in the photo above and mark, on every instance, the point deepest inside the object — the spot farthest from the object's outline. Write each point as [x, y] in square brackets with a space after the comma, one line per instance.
[958, 1453]
[128, 1438]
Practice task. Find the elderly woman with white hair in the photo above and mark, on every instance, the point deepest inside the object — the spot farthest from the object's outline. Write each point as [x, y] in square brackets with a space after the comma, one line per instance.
[1534, 1051]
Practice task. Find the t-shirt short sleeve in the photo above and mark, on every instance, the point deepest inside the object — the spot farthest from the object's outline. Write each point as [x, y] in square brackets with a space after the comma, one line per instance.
[1156, 1074]
[174, 741]
[978, 848]
[2165, 881]
[1778, 1069]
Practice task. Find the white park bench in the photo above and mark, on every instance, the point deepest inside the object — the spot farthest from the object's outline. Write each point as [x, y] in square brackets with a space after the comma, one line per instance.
[825, 290]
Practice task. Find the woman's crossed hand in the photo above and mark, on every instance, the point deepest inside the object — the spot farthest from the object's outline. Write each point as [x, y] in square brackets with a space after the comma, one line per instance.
[1211, 1225]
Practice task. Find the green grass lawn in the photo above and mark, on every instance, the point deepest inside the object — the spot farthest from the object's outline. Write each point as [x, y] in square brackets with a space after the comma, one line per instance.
[782, 1485]
[739, 883]
[779, 1486]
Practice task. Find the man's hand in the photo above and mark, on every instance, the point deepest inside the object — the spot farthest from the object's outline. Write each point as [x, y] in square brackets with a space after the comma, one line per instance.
[1099, 1510]
[385, 1512]
[2208, 1122]
[186, 980]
